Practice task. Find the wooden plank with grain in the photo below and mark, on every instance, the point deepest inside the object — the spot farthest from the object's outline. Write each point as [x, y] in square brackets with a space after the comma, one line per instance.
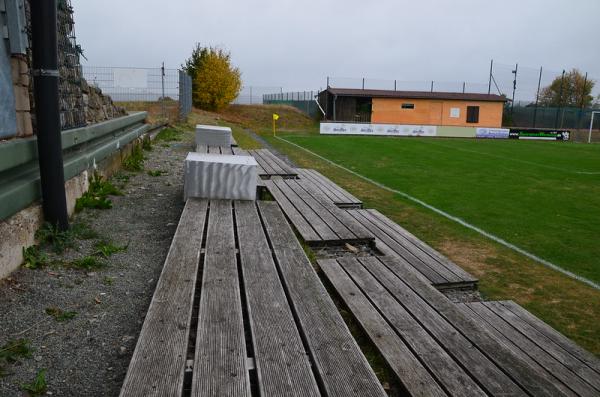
[534, 382]
[409, 351]
[158, 362]
[281, 361]
[220, 355]
[342, 369]
[307, 232]
[525, 349]
[558, 353]
[491, 378]
[553, 335]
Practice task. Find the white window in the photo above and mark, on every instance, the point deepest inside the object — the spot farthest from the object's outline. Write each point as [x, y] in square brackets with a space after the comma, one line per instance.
[455, 113]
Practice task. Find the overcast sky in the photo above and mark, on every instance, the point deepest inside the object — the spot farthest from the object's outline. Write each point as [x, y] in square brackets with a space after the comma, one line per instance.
[296, 44]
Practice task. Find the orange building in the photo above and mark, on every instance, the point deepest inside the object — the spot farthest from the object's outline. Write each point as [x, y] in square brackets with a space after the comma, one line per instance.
[413, 107]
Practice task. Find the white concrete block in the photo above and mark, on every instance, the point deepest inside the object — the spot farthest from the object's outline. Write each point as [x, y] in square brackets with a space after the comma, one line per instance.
[212, 135]
[220, 176]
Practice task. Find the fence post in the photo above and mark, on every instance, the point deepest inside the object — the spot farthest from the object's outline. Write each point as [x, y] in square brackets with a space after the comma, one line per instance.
[464, 86]
[162, 79]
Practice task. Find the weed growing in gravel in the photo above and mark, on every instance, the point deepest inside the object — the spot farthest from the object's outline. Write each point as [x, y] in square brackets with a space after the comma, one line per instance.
[84, 231]
[108, 280]
[88, 263]
[106, 248]
[34, 258]
[147, 145]
[169, 134]
[156, 172]
[97, 195]
[60, 315]
[38, 386]
[12, 351]
[51, 235]
[135, 161]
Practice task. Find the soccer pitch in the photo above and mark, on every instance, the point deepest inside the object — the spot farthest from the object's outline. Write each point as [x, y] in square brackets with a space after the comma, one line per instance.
[543, 197]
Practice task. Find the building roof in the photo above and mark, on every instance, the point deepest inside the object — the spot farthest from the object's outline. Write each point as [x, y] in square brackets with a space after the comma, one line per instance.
[467, 96]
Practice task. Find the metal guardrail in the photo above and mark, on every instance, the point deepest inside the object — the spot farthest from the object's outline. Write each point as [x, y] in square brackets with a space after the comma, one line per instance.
[82, 149]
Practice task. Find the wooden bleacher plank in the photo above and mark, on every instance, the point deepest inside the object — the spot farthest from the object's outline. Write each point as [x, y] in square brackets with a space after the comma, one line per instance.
[220, 362]
[282, 364]
[343, 370]
[417, 244]
[528, 351]
[575, 365]
[271, 164]
[487, 374]
[158, 362]
[391, 243]
[342, 232]
[534, 382]
[411, 372]
[300, 223]
[556, 337]
[335, 193]
[324, 231]
[331, 224]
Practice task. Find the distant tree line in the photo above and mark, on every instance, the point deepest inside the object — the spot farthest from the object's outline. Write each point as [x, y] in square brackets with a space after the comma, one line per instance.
[574, 90]
[215, 81]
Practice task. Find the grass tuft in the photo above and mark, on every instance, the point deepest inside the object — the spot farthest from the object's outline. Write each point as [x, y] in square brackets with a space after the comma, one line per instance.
[157, 172]
[50, 235]
[34, 258]
[13, 351]
[135, 161]
[169, 134]
[60, 315]
[38, 386]
[106, 248]
[88, 263]
[97, 195]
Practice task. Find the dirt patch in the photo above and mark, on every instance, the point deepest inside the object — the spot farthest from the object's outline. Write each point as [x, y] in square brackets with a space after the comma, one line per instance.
[97, 314]
[471, 257]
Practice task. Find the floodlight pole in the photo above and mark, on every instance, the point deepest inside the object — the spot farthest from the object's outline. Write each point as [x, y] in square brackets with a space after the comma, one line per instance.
[591, 126]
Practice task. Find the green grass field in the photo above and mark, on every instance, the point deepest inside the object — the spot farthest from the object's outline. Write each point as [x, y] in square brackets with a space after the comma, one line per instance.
[543, 197]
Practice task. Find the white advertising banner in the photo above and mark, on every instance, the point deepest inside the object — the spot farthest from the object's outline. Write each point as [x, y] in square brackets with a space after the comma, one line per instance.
[377, 129]
[493, 133]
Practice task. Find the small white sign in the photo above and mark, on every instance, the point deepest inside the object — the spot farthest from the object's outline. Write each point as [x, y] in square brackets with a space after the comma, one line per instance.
[455, 113]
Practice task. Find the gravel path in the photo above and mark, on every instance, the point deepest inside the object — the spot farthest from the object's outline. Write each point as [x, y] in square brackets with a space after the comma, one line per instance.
[89, 354]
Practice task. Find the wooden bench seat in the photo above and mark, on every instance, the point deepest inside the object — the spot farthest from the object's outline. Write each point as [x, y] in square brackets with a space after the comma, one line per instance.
[214, 149]
[262, 321]
[431, 345]
[316, 218]
[538, 344]
[333, 192]
[272, 165]
[393, 240]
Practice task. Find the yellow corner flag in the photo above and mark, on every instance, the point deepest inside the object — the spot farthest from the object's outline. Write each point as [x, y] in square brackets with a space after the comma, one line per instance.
[275, 118]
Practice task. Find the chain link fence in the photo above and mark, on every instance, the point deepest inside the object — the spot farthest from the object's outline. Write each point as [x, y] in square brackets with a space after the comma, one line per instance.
[126, 85]
[253, 94]
[301, 100]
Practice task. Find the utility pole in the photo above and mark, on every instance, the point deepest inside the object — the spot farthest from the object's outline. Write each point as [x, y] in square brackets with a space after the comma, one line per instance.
[46, 94]
[491, 73]
[537, 97]
[560, 94]
[512, 106]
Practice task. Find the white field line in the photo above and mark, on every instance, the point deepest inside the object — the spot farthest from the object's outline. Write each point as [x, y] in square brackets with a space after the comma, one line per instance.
[455, 219]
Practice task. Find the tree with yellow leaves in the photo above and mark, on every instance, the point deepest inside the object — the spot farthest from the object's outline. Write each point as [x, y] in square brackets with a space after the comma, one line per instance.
[216, 81]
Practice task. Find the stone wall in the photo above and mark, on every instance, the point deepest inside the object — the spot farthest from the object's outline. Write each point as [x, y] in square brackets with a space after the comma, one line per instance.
[80, 103]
